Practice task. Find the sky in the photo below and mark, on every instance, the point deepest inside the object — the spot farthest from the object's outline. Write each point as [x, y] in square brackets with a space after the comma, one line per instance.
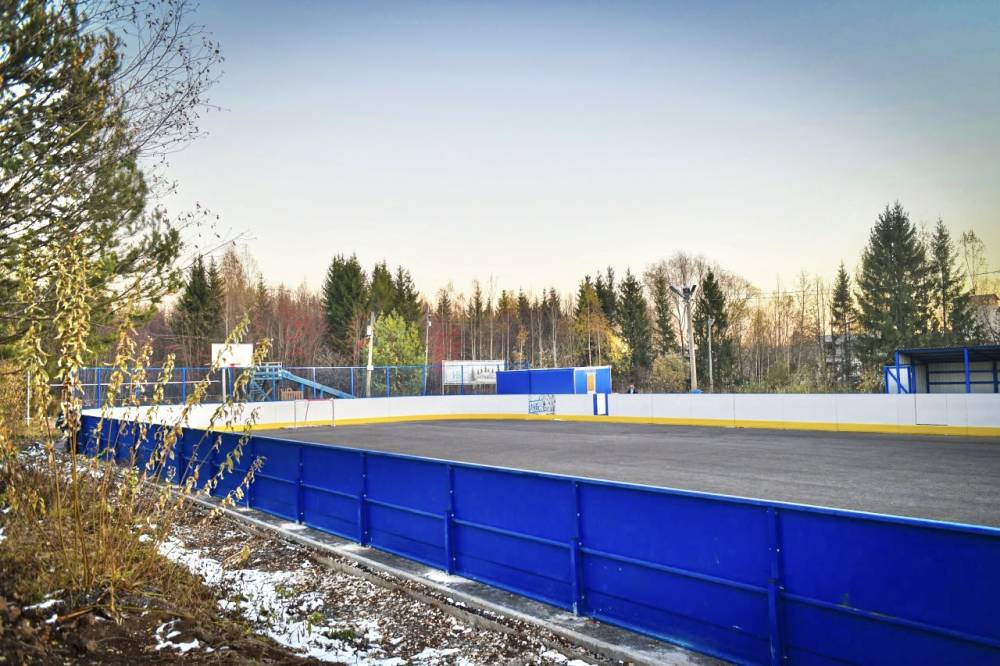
[530, 143]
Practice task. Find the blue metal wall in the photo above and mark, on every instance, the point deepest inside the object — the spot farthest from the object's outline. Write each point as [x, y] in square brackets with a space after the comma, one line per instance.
[745, 580]
[552, 380]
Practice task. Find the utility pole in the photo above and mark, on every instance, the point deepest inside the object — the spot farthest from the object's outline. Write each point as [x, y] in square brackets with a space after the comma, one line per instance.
[371, 346]
[711, 380]
[686, 293]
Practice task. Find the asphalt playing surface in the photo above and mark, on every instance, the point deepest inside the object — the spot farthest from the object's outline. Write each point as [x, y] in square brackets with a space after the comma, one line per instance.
[943, 478]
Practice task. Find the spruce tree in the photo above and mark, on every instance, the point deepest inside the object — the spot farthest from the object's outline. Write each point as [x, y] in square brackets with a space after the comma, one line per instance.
[345, 297]
[590, 325]
[711, 305]
[445, 311]
[584, 302]
[604, 285]
[406, 301]
[843, 327]
[476, 310]
[633, 317]
[192, 318]
[953, 321]
[215, 304]
[382, 295]
[892, 288]
[665, 342]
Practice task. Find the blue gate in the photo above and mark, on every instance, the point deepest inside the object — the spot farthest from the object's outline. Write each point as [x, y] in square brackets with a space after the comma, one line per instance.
[745, 580]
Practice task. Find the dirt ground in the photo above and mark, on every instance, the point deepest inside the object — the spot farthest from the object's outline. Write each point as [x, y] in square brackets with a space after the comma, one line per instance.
[278, 603]
[368, 618]
[38, 634]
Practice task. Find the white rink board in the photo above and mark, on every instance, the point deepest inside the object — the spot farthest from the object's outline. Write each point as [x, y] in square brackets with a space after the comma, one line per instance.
[827, 411]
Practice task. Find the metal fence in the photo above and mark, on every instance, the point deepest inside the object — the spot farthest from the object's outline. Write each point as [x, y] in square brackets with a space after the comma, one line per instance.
[745, 580]
[386, 381]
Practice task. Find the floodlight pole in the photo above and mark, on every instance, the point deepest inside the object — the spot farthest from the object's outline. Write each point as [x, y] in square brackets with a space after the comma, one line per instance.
[371, 346]
[427, 347]
[711, 380]
[686, 293]
[427, 338]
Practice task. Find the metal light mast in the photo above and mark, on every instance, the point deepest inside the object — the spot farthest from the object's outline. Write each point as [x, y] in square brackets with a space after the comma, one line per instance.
[686, 293]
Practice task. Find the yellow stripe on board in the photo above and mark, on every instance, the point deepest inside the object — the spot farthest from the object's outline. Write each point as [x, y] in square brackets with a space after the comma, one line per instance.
[885, 428]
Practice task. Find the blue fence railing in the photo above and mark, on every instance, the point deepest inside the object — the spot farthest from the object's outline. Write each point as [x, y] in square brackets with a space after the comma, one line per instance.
[308, 382]
[745, 580]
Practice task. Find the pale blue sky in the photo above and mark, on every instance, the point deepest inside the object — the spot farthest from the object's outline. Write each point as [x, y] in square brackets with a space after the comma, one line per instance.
[536, 142]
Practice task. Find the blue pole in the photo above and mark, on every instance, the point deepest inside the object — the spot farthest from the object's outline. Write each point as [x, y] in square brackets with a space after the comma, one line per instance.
[774, 588]
[899, 384]
[461, 380]
[575, 570]
[449, 516]
[424, 392]
[352, 382]
[184, 384]
[314, 381]
[387, 392]
[968, 374]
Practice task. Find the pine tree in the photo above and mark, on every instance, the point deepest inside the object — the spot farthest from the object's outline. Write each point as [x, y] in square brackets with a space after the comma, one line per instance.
[843, 326]
[345, 297]
[635, 325]
[711, 305]
[953, 321]
[665, 342]
[892, 288]
[78, 118]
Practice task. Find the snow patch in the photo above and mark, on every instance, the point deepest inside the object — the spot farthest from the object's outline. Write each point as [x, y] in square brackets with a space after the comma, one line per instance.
[165, 632]
[441, 577]
[560, 658]
[45, 605]
[432, 656]
[269, 600]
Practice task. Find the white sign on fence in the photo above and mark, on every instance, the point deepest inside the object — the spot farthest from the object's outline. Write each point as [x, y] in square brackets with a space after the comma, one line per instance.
[470, 373]
[233, 356]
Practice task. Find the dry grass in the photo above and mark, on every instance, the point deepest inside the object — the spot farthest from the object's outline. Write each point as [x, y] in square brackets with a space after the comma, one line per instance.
[73, 523]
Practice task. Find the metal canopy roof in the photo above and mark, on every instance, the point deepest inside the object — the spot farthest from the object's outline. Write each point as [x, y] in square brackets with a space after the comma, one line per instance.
[952, 354]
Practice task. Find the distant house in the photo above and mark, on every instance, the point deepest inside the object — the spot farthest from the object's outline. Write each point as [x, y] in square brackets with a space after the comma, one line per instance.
[986, 308]
[835, 354]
